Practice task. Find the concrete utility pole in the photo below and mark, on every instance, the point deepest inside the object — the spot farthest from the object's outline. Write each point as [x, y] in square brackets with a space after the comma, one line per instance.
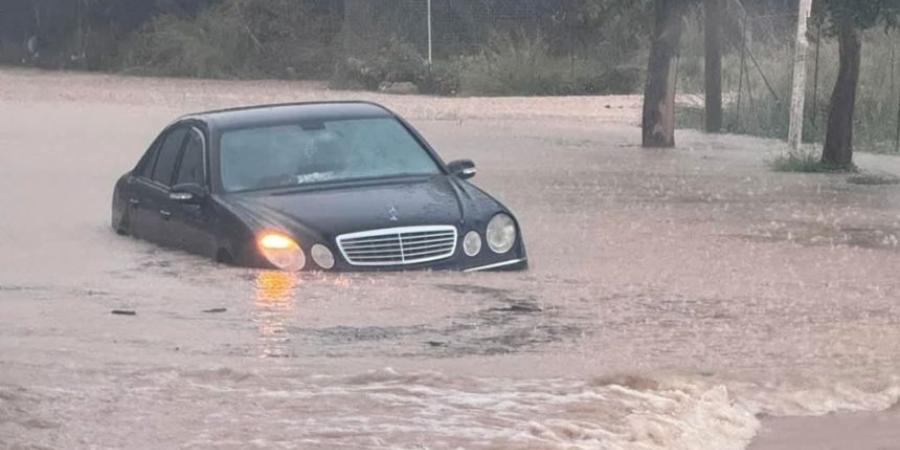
[712, 62]
[429, 32]
[798, 98]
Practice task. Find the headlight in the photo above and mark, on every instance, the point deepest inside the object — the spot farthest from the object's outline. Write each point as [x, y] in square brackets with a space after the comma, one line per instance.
[282, 251]
[501, 233]
[322, 256]
[472, 243]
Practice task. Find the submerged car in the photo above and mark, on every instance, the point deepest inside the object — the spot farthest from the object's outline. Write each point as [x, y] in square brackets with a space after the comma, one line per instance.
[313, 186]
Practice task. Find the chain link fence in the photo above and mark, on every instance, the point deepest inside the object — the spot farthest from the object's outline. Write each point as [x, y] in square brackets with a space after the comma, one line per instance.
[758, 74]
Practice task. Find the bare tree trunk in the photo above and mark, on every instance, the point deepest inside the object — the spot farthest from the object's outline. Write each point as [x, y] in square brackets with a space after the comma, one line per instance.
[839, 140]
[713, 64]
[659, 96]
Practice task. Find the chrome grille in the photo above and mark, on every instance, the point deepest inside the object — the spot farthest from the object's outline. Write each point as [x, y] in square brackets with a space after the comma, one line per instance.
[398, 246]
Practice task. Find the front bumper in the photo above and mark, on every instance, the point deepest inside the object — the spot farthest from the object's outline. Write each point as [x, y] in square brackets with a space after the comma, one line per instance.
[513, 264]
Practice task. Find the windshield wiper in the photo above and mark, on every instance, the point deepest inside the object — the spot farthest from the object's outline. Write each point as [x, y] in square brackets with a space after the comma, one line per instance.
[287, 190]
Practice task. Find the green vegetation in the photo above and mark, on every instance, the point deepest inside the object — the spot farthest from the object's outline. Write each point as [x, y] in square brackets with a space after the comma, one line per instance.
[234, 39]
[514, 64]
[763, 114]
[481, 47]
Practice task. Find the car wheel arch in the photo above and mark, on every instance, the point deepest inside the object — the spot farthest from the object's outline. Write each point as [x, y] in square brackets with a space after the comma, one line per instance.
[224, 256]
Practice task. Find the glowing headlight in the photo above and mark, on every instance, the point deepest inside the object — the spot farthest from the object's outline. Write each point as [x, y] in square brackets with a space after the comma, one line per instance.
[501, 233]
[282, 251]
[322, 256]
[472, 243]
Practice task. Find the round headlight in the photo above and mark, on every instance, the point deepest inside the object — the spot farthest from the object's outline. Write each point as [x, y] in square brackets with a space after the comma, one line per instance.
[322, 256]
[282, 251]
[501, 233]
[472, 243]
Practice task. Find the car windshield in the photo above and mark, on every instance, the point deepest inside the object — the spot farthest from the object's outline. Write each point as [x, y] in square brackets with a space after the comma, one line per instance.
[321, 151]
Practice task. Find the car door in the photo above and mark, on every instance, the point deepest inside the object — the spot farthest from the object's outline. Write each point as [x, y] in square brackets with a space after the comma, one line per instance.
[150, 216]
[190, 222]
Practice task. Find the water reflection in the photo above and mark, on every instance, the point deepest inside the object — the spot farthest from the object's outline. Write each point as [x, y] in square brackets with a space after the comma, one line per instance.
[274, 307]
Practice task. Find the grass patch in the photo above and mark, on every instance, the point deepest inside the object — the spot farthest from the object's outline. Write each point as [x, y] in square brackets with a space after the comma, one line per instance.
[807, 163]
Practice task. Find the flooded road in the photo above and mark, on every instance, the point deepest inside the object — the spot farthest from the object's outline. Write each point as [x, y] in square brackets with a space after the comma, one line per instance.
[674, 297]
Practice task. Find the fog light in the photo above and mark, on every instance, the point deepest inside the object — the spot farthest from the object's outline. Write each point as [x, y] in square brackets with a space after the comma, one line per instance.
[322, 256]
[472, 243]
[501, 233]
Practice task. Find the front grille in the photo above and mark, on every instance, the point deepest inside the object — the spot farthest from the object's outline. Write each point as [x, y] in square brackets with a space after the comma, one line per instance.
[398, 246]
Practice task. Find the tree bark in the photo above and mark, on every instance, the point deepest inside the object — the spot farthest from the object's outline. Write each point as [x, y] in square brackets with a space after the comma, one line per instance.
[658, 121]
[838, 150]
[713, 64]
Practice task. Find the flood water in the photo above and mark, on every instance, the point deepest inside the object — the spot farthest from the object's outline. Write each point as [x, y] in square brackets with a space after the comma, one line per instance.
[673, 298]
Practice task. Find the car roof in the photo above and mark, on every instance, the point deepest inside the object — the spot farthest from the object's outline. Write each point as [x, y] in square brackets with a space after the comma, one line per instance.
[248, 116]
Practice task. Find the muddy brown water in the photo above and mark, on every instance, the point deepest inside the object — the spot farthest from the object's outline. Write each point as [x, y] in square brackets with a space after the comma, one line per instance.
[674, 296]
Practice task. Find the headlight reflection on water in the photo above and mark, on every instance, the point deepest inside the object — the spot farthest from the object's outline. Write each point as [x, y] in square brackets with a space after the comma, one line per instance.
[274, 308]
[275, 305]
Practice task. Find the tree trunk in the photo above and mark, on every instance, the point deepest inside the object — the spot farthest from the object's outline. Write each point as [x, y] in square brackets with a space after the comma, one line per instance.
[838, 150]
[659, 95]
[713, 64]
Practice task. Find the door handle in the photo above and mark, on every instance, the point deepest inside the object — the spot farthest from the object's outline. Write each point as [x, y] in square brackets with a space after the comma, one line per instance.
[165, 214]
[134, 201]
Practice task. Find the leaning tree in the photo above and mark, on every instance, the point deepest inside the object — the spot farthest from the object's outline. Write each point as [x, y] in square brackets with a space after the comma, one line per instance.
[658, 122]
[846, 19]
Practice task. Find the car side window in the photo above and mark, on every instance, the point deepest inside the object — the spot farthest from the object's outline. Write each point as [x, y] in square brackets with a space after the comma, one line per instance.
[191, 168]
[168, 156]
[145, 165]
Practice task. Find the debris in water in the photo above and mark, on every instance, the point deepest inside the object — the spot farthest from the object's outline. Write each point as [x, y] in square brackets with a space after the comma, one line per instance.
[519, 308]
[124, 312]
[215, 310]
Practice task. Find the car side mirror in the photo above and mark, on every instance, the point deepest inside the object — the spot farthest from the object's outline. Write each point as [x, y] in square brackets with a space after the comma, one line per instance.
[187, 193]
[463, 168]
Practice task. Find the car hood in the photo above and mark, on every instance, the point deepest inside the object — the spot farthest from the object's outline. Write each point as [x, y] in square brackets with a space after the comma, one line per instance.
[331, 211]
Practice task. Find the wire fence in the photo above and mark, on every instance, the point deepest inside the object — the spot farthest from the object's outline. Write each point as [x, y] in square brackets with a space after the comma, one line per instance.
[758, 75]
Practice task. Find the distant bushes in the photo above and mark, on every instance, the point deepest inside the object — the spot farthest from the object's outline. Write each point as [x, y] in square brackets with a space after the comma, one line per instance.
[279, 39]
[563, 49]
[512, 64]
[519, 65]
[236, 38]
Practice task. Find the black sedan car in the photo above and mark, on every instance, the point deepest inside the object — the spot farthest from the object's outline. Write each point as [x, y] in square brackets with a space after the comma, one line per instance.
[314, 186]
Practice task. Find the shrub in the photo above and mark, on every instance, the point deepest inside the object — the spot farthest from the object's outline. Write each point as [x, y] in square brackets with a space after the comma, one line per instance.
[397, 61]
[441, 78]
[518, 64]
[236, 38]
[206, 47]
